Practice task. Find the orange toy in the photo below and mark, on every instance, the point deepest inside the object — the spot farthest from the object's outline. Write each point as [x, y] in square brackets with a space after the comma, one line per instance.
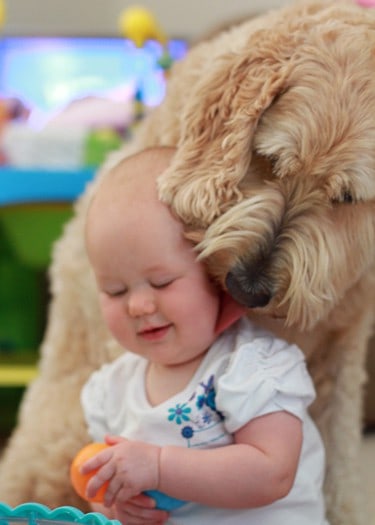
[80, 481]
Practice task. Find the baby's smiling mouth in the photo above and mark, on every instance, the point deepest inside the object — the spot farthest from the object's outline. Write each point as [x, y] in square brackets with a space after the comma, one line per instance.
[155, 332]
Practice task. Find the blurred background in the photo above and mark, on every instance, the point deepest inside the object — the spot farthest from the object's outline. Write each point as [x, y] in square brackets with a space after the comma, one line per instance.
[100, 17]
[75, 79]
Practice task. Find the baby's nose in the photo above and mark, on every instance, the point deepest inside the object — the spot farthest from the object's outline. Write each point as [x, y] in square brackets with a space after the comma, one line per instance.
[141, 302]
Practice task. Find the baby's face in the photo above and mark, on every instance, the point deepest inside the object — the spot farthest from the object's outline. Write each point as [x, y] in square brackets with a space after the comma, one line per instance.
[156, 299]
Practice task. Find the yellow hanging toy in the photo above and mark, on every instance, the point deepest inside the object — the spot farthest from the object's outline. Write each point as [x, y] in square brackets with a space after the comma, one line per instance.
[139, 24]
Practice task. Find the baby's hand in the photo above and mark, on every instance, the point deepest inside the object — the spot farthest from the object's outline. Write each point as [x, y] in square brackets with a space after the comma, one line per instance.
[79, 480]
[140, 509]
[129, 467]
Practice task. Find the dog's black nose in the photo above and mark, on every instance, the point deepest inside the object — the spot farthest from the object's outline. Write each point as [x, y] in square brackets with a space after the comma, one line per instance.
[253, 294]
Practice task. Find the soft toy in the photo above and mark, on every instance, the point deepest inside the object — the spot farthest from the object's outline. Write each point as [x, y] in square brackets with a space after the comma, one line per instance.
[274, 179]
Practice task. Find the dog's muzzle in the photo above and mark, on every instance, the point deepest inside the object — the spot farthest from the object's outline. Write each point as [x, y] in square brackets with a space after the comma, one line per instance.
[246, 291]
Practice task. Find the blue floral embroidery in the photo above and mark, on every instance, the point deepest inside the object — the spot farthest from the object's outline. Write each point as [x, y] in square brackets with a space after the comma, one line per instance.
[207, 417]
[201, 414]
[208, 397]
[179, 413]
[187, 432]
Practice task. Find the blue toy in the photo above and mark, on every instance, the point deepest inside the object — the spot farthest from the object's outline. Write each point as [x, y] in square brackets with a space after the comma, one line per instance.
[163, 501]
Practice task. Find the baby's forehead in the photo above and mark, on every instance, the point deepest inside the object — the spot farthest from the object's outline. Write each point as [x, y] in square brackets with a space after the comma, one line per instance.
[139, 171]
[131, 186]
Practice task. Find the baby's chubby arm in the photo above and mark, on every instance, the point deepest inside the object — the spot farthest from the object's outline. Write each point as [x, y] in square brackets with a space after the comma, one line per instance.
[256, 470]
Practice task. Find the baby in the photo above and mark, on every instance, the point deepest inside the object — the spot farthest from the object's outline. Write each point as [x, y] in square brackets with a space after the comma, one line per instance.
[218, 420]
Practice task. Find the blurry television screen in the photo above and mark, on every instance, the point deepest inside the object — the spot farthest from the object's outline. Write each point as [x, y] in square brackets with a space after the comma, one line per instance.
[47, 73]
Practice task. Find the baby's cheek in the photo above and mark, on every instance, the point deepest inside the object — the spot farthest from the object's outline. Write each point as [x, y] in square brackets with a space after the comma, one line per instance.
[116, 320]
[110, 317]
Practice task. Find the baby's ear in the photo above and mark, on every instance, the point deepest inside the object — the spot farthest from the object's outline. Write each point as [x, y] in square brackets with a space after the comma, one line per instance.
[230, 311]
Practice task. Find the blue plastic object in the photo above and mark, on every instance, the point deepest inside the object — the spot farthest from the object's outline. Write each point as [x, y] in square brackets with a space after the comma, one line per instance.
[37, 514]
[163, 501]
[19, 186]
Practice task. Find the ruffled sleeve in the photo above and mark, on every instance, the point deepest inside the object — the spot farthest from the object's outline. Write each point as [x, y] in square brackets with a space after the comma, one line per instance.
[263, 376]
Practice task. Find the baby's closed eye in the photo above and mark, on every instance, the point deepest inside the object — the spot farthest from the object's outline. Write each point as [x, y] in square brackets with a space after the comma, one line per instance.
[118, 292]
[162, 283]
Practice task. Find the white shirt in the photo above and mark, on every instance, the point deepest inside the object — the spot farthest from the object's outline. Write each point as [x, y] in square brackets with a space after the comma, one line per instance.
[245, 374]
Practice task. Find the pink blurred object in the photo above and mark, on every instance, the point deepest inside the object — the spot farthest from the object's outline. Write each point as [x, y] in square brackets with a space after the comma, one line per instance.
[366, 3]
[94, 112]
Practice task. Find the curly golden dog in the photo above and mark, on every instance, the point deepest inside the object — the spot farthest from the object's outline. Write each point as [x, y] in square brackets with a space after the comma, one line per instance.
[274, 178]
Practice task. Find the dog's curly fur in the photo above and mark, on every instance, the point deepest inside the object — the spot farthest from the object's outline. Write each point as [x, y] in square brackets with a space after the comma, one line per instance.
[274, 178]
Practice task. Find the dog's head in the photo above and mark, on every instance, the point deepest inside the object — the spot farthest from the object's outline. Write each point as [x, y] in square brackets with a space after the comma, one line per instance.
[277, 159]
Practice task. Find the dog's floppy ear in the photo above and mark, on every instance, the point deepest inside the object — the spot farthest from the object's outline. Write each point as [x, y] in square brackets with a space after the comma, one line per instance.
[218, 124]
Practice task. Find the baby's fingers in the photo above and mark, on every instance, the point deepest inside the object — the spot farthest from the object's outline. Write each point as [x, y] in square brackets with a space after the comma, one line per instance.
[142, 500]
[114, 440]
[113, 490]
[102, 476]
[96, 461]
[131, 513]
